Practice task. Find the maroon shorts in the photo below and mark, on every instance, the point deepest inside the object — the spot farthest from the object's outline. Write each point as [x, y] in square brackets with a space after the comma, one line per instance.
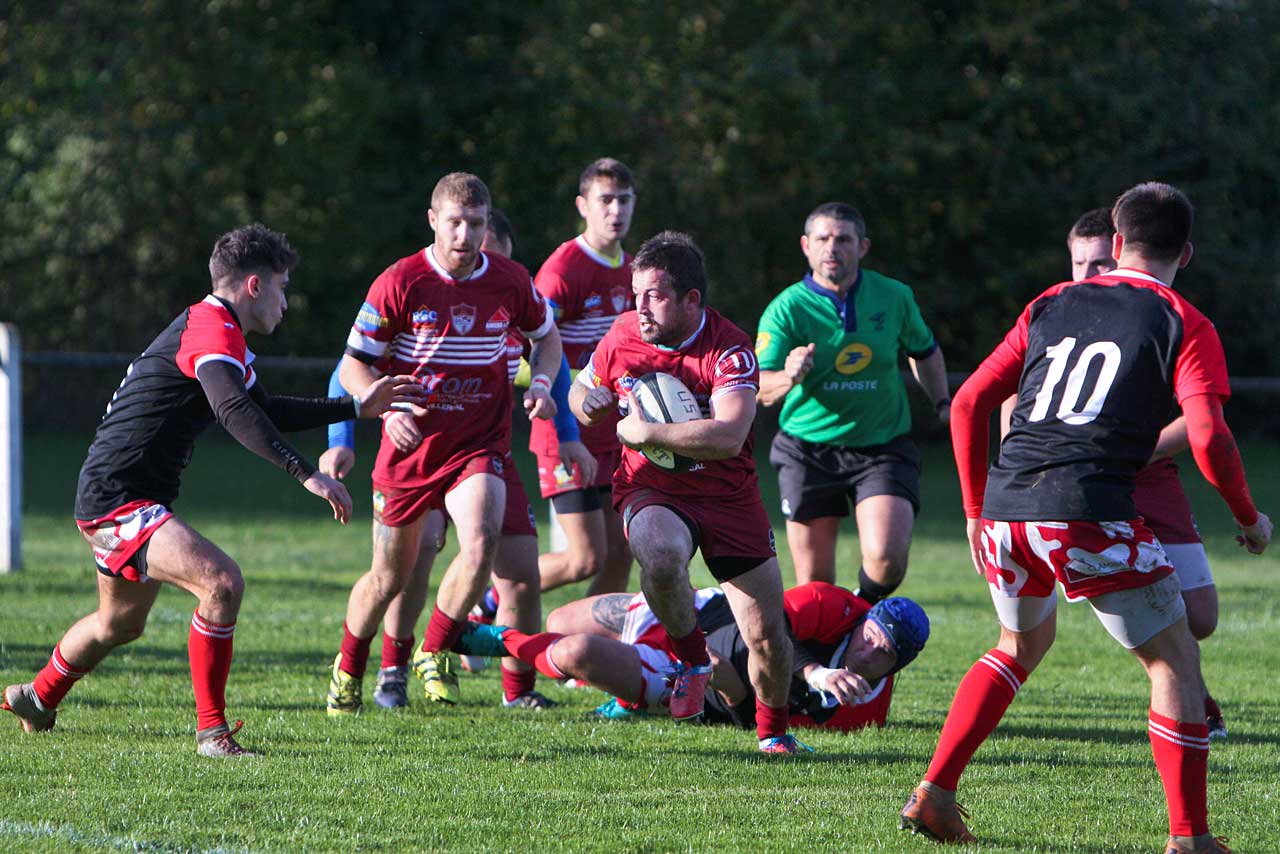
[732, 532]
[1087, 558]
[399, 505]
[119, 539]
[517, 519]
[1163, 503]
[553, 479]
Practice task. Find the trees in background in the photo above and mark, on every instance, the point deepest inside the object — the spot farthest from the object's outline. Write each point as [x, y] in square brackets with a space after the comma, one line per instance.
[970, 133]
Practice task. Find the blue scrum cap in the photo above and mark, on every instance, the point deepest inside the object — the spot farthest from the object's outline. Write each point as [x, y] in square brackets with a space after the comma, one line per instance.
[905, 623]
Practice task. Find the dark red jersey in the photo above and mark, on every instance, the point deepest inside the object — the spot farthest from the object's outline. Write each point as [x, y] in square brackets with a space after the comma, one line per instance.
[1096, 363]
[587, 291]
[452, 335]
[148, 433]
[717, 359]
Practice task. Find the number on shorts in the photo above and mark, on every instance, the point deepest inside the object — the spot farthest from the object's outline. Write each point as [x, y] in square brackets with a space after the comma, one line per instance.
[1059, 355]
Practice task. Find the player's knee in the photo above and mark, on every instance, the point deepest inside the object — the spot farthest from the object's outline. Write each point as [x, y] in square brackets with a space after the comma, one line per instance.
[226, 588]
[571, 653]
[558, 620]
[584, 565]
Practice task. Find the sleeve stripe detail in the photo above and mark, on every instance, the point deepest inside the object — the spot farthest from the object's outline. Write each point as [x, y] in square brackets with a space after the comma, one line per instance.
[548, 321]
[218, 357]
[365, 344]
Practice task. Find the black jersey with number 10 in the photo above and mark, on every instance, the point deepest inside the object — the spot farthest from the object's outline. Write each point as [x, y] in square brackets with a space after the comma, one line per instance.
[1099, 361]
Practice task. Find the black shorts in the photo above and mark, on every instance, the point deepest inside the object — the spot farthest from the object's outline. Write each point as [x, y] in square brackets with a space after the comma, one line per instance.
[817, 480]
[581, 500]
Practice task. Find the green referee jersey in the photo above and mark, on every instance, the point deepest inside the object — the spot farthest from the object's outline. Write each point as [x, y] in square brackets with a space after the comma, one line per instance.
[854, 394]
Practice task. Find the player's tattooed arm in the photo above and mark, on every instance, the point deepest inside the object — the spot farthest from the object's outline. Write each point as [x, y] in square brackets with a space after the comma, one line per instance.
[610, 611]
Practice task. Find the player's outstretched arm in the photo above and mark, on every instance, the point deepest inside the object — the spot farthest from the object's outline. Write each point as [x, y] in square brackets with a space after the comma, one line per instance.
[331, 491]
[1216, 455]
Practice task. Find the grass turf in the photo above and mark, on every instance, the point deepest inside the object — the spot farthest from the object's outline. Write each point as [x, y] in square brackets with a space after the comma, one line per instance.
[1069, 769]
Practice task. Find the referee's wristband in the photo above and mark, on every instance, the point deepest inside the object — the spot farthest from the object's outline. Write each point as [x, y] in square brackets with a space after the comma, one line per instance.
[938, 404]
[540, 380]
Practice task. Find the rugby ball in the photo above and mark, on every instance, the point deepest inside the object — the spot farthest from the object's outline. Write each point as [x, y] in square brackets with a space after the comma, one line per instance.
[663, 398]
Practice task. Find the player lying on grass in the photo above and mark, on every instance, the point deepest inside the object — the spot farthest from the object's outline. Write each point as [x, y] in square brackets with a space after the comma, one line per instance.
[846, 652]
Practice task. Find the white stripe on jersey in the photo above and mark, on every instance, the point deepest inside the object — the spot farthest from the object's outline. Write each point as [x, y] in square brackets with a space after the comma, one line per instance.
[366, 344]
[586, 330]
[218, 357]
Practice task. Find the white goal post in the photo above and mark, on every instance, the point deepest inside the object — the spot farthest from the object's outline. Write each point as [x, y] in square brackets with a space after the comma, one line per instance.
[10, 449]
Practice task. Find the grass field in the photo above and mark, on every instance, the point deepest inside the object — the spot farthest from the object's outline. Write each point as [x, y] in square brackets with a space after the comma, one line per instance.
[1069, 770]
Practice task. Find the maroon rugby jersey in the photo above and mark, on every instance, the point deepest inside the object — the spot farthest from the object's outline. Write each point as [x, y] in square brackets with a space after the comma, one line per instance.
[717, 359]
[587, 291]
[452, 335]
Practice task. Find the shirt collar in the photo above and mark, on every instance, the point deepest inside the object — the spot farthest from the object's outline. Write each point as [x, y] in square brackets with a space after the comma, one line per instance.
[599, 257]
[215, 300]
[844, 308]
[1134, 273]
[482, 266]
[686, 342]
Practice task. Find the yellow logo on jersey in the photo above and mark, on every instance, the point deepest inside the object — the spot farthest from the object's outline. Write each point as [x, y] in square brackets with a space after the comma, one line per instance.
[763, 340]
[853, 358]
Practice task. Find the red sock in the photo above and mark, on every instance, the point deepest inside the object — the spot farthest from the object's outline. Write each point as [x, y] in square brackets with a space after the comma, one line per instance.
[771, 722]
[1181, 751]
[984, 694]
[534, 649]
[442, 632]
[209, 649]
[396, 651]
[692, 648]
[517, 682]
[55, 679]
[355, 653]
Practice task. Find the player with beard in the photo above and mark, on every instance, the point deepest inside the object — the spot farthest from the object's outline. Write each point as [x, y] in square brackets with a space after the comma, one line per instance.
[715, 507]
[444, 313]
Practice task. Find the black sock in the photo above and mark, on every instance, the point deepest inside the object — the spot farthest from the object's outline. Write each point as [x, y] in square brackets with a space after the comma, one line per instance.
[872, 591]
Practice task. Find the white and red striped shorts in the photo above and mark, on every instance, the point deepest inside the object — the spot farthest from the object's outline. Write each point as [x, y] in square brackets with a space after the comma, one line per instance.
[119, 539]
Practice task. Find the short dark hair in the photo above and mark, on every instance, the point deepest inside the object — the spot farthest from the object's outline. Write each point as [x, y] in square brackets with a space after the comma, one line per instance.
[839, 211]
[1155, 219]
[606, 167]
[461, 187]
[501, 227]
[1091, 224]
[251, 249]
[675, 253]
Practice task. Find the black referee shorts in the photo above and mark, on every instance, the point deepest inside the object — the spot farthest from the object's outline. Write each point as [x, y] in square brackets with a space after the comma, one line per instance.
[817, 480]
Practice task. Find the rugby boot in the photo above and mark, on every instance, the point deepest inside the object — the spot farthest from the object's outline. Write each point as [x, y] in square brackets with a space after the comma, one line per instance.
[1213, 717]
[345, 692]
[530, 700]
[391, 691]
[439, 680]
[935, 817]
[614, 709]
[688, 684]
[22, 701]
[1197, 845]
[481, 639]
[783, 745]
[219, 742]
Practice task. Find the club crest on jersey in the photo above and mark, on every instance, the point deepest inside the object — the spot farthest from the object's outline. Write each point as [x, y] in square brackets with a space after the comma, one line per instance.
[369, 319]
[853, 358]
[620, 300]
[592, 301]
[425, 317]
[463, 317]
[498, 321]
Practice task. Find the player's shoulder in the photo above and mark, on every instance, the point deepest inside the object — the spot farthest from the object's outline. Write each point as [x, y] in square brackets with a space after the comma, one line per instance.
[789, 296]
[723, 331]
[213, 313]
[505, 268]
[406, 270]
[875, 281]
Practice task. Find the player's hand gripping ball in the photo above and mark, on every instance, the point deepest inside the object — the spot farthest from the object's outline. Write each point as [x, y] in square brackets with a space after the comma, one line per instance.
[663, 398]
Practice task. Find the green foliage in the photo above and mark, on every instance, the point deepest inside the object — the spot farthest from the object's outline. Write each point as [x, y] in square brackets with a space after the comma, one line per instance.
[971, 134]
[1069, 769]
